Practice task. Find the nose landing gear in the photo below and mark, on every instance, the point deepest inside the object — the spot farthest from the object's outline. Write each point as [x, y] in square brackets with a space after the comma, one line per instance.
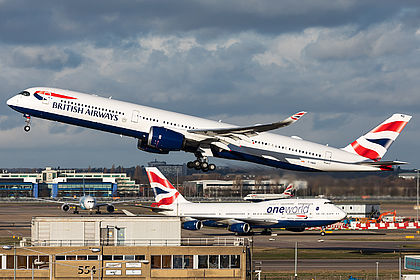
[27, 127]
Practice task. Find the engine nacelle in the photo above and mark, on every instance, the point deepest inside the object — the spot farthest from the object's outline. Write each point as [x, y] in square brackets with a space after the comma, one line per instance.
[240, 228]
[65, 207]
[296, 229]
[141, 145]
[110, 208]
[211, 223]
[192, 225]
[164, 139]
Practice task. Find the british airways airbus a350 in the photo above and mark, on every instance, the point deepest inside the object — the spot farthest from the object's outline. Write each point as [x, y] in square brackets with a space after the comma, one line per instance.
[160, 131]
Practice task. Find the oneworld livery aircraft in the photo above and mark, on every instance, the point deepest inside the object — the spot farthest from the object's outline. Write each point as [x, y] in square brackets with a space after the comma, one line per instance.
[291, 214]
[160, 131]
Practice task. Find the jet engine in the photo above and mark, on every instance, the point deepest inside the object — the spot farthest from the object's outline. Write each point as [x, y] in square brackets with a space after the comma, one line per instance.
[161, 141]
[65, 207]
[240, 228]
[192, 225]
[110, 208]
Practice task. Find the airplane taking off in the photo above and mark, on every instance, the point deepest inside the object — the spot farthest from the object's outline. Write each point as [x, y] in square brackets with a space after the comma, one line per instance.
[291, 214]
[289, 192]
[160, 131]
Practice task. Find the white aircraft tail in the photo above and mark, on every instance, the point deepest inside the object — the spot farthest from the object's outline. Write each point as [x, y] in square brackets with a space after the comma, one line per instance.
[165, 194]
[374, 144]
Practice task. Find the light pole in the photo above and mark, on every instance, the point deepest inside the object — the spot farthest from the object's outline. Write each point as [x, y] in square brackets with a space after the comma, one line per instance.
[417, 200]
[296, 249]
[36, 262]
[377, 270]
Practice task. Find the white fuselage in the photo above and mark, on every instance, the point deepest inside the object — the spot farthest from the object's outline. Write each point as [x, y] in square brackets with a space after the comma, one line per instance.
[296, 213]
[136, 121]
[87, 202]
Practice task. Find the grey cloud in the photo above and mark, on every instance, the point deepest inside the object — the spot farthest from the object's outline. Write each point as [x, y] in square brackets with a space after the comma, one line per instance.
[51, 58]
[43, 22]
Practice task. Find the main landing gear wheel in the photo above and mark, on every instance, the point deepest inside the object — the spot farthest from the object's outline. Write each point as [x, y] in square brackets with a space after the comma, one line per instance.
[27, 128]
[201, 165]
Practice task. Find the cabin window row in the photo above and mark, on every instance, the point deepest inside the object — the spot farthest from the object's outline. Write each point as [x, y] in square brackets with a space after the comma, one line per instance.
[168, 123]
[92, 107]
[286, 148]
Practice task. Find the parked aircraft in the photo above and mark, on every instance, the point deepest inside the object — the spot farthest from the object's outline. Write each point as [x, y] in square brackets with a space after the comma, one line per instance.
[289, 192]
[291, 214]
[85, 202]
[160, 131]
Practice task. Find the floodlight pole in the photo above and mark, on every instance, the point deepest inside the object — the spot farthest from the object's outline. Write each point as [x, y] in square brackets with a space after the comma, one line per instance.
[417, 208]
[296, 248]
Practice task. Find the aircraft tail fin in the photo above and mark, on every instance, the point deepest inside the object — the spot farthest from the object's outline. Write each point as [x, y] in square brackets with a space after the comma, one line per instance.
[165, 194]
[374, 144]
[290, 191]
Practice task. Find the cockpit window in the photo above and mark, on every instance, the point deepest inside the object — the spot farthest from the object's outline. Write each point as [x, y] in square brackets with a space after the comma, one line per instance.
[328, 202]
[24, 93]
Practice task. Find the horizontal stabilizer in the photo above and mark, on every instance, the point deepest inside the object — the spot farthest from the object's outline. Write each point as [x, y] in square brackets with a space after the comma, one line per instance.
[383, 163]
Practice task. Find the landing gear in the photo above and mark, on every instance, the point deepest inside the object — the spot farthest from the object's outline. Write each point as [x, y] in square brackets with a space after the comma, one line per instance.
[201, 164]
[27, 127]
[75, 210]
[266, 231]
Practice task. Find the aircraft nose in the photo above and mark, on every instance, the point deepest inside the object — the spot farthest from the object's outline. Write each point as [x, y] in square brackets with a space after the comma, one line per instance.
[13, 101]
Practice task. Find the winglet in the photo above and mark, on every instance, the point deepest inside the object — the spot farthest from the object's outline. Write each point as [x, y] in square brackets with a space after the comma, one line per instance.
[296, 116]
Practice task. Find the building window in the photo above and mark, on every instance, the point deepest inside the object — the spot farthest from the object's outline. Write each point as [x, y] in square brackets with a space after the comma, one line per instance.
[157, 261]
[166, 261]
[224, 261]
[214, 261]
[235, 261]
[203, 261]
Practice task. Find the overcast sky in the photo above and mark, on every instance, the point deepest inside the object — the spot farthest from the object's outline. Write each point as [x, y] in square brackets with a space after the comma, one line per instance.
[349, 64]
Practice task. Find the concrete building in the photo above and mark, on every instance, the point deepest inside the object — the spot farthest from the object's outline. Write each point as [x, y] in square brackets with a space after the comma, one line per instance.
[122, 248]
[103, 230]
[122, 262]
[66, 183]
[365, 210]
[170, 170]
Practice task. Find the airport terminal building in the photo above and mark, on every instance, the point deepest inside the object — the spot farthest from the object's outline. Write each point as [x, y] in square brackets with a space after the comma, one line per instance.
[65, 183]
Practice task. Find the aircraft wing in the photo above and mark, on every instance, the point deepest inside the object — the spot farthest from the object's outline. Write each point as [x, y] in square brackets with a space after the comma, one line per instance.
[153, 208]
[248, 130]
[99, 203]
[58, 201]
[230, 221]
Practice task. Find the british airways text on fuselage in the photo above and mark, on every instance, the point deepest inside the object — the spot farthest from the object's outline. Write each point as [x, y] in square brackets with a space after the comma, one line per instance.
[82, 111]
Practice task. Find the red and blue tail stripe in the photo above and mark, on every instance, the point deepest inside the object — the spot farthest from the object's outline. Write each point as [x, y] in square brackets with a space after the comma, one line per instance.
[375, 143]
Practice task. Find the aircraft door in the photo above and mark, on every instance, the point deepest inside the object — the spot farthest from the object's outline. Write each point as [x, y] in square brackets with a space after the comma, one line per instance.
[328, 156]
[135, 116]
[46, 99]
